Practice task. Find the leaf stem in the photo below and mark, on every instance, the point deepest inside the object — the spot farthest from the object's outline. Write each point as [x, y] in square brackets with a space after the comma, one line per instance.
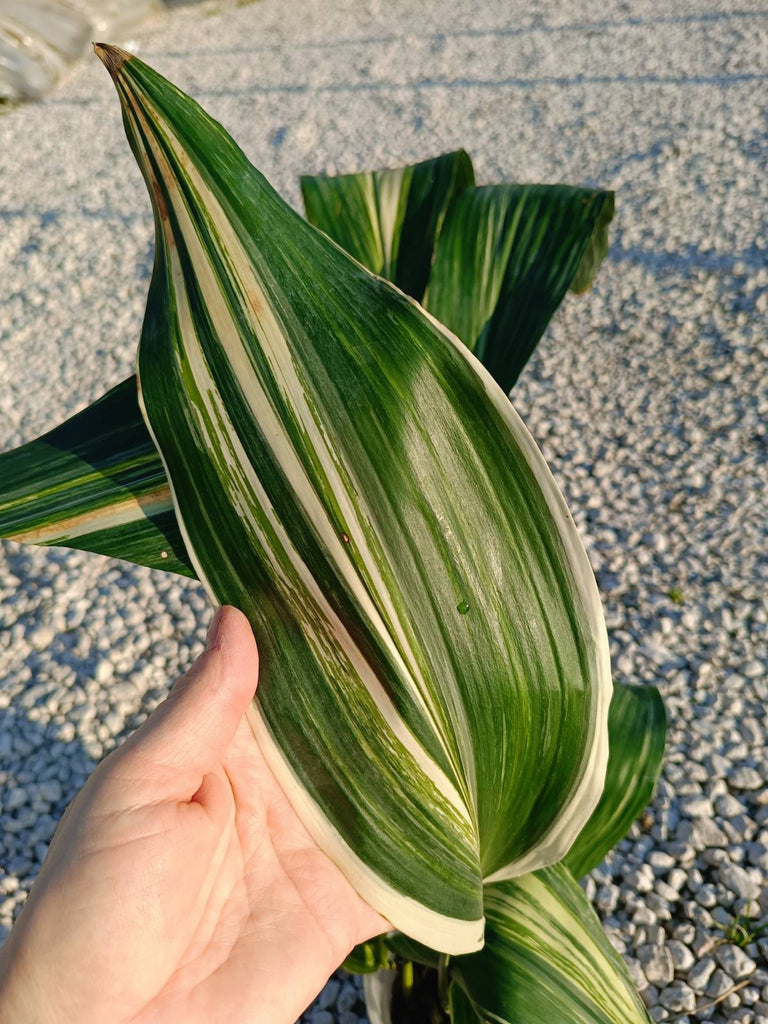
[406, 979]
[442, 981]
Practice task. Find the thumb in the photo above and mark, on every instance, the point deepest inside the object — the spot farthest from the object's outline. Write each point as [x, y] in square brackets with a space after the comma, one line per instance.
[191, 730]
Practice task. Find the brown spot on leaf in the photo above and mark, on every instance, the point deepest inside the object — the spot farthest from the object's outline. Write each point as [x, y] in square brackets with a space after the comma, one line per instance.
[112, 57]
[162, 209]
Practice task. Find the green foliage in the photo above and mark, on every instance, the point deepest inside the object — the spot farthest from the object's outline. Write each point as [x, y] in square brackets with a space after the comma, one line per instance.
[496, 261]
[637, 730]
[96, 483]
[368, 957]
[741, 931]
[546, 958]
[435, 691]
[390, 220]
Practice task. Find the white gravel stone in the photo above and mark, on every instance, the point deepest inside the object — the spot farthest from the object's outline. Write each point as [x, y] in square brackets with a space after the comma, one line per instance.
[329, 994]
[734, 961]
[745, 778]
[700, 973]
[658, 964]
[719, 984]
[104, 671]
[738, 880]
[696, 806]
[607, 898]
[706, 834]
[678, 997]
[650, 995]
[681, 955]
[347, 997]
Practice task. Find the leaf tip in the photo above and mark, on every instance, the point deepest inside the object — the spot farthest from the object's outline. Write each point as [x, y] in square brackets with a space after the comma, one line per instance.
[112, 57]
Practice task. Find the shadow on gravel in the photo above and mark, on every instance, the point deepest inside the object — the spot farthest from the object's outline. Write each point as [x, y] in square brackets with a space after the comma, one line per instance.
[41, 770]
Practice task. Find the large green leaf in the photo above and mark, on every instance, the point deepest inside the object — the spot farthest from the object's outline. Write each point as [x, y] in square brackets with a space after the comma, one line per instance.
[389, 220]
[434, 662]
[96, 483]
[505, 258]
[637, 730]
[546, 959]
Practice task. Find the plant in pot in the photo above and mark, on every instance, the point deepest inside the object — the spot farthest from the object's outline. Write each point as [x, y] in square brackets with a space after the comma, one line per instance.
[335, 453]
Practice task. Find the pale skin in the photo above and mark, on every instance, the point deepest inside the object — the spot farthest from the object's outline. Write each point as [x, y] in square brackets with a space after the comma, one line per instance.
[180, 885]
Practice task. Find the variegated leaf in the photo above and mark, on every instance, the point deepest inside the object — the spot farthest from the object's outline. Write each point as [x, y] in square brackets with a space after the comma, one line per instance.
[389, 220]
[637, 729]
[546, 959]
[505, 258]
[434, 663]
[96, 483]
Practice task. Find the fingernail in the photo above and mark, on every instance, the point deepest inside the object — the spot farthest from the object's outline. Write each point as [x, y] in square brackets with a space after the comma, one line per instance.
[213, 637]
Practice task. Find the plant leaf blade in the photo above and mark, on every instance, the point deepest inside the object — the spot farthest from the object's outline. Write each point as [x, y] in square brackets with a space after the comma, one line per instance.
[637, 728]
[505, 258]
[345, 472]
[97, 483]
[389, 220]
[546, 958]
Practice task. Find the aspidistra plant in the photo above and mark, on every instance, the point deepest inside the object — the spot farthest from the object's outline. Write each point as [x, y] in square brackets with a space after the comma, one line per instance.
[322, 451]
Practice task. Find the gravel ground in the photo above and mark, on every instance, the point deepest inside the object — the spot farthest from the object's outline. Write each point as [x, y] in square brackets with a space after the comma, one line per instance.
[649, 396]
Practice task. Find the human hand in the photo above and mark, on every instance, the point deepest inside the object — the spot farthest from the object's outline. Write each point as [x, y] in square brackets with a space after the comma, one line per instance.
[180, 885]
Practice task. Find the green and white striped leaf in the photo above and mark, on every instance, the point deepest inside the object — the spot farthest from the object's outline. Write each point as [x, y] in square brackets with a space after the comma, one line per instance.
[505, 258]
[637, 729]
[389, 220]
[96, 483]
[546, 959]
[434, 663]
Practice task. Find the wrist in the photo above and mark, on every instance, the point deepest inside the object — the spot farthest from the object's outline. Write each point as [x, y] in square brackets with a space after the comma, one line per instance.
[21, 997]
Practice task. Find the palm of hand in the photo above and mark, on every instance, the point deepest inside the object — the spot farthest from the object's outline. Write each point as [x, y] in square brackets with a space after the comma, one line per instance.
[184, 886]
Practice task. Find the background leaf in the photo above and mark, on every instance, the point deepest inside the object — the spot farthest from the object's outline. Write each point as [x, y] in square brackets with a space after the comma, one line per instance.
[637, 730]
[389, 220]
[368, 957]
[596, 250]
[460, 1008]
[505, 258]
[546, 959]
[96, 483]
[409, 949]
